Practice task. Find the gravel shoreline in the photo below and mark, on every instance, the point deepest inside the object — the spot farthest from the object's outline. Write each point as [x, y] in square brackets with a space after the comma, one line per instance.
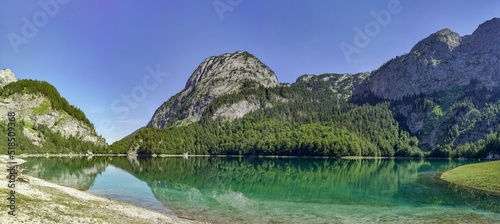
[42, 202]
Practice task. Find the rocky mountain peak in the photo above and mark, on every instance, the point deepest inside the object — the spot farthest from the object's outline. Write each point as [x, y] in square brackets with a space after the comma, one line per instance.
[440, 42]
[486, 34]
[6, 77]
[214, 77]
[239, 65]
[442, 61]
[488, 28]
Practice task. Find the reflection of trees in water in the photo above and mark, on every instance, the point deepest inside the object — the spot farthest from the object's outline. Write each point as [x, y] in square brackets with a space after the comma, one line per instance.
[78, 172]
[430, 189]
[297, 180]
[134, 162]
[439, 192]
[246, 185]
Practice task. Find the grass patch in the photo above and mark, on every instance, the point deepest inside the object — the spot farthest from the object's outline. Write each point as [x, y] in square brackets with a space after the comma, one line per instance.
[43, 107]
[481, 176]
[29, 127]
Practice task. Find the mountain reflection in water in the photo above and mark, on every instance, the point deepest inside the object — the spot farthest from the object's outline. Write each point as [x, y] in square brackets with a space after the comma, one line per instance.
[246, 189]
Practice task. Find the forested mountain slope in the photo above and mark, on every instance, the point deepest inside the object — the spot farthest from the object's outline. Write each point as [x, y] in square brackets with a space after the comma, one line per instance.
[310, 117]
[446, 90]
[440, 99]
[45, 121]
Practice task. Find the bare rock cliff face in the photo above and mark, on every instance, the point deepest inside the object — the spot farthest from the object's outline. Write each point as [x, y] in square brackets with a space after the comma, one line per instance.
[214, 77]
[438, 62]
[6, 77]
[35, 110]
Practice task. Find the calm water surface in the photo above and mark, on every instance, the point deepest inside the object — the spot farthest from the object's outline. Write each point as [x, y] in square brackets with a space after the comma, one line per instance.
[270, 190]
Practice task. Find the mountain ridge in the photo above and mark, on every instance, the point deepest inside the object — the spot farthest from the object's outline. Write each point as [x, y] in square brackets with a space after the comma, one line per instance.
[441, 60]
[442, 94]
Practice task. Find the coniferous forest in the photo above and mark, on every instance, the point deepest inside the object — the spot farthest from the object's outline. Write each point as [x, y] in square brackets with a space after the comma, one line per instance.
[310, 123]
[307, 119]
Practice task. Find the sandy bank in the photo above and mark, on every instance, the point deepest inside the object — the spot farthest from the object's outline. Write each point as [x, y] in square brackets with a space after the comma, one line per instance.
[42, 202]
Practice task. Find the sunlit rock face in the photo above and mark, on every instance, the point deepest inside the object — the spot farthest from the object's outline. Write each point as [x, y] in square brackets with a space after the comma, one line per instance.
[6, 77]
[216, 76]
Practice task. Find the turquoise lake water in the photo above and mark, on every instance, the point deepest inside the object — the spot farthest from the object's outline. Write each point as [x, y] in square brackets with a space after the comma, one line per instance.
[278, 190]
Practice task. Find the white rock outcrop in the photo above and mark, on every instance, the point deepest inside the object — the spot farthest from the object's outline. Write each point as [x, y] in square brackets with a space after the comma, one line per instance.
[237, 110]
[6, 77]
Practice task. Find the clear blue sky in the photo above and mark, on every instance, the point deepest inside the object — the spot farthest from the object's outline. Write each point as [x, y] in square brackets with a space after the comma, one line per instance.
[95, 51]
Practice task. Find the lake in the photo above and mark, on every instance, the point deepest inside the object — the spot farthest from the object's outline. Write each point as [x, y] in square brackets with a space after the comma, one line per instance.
[277, 190]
